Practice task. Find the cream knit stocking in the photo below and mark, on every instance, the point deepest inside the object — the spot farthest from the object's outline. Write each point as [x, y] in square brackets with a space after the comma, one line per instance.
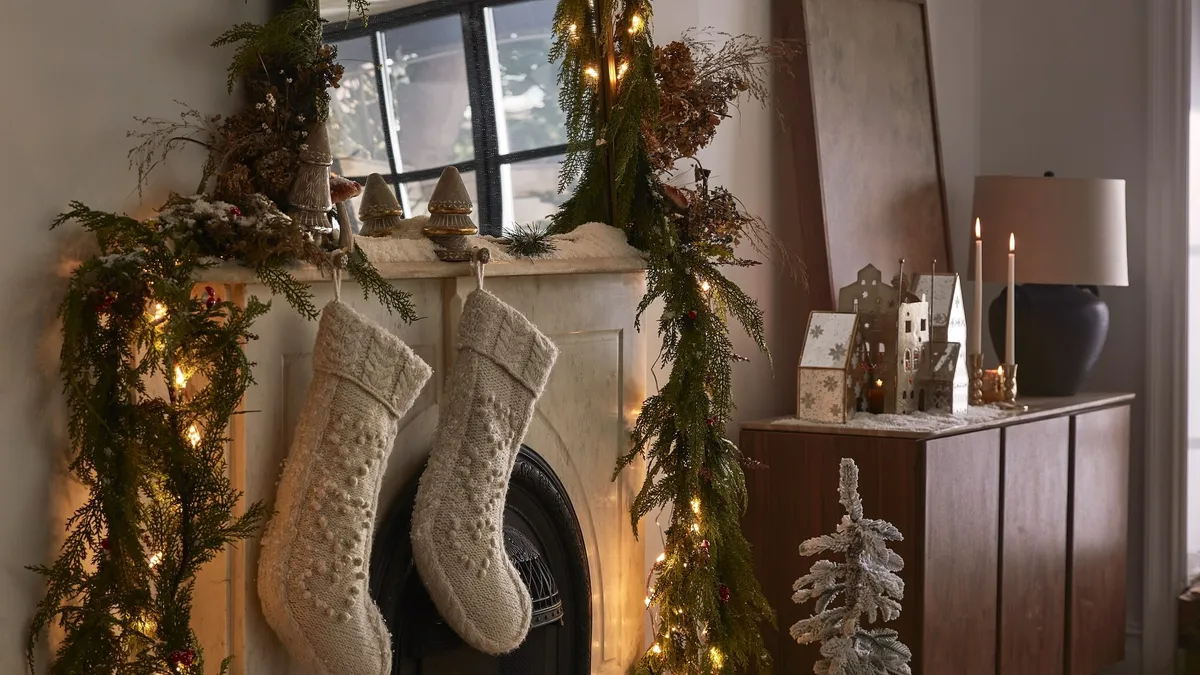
[312, 575]
[457, 533]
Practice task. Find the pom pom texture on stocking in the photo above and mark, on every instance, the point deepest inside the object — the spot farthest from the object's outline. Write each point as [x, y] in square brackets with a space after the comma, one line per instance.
[315, 553]
[457, 533]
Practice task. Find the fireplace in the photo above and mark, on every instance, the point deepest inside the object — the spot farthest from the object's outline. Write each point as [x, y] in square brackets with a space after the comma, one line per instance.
[580, 427]
[544, 541]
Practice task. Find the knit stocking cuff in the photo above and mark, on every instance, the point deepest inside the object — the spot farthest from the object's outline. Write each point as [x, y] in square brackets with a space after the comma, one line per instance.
[495, 330]
[351, 346]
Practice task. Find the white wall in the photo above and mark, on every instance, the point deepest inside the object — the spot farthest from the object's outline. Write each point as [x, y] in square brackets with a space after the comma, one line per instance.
[78, 71]
[1063, 89]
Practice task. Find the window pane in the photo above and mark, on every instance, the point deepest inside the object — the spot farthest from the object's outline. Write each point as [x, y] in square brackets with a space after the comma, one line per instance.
[428, 73]
[531, 191]
[355, 121]
[527, 112]
[415, 196]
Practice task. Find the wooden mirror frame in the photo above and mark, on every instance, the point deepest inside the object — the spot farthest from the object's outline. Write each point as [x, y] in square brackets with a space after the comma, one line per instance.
[834, 251]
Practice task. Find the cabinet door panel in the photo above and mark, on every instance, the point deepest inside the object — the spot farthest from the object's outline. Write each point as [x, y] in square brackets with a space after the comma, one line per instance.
[1099, 497]
[1033, 548]
[962, 502]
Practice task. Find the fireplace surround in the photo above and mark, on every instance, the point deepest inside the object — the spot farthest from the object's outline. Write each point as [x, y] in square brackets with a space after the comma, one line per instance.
[586, 305]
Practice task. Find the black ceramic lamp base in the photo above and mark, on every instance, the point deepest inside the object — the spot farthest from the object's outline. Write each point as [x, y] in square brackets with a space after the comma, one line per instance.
[1060, 333]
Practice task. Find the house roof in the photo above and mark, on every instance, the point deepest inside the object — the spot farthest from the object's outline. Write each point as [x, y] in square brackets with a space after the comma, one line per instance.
[943, 360]
[829, 341]
[940, 290]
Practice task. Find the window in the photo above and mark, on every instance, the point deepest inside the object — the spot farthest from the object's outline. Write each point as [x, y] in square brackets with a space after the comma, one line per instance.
[908, 325]
[924, 325]
[463, 83]
[908, 360]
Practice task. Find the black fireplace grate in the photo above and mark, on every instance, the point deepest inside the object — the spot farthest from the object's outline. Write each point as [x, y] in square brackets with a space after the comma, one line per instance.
[543, 590]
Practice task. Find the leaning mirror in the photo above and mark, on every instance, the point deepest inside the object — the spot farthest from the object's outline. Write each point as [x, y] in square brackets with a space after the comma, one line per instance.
[463, 83]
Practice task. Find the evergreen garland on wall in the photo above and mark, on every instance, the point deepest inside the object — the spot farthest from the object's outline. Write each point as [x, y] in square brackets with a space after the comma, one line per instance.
[707, 607]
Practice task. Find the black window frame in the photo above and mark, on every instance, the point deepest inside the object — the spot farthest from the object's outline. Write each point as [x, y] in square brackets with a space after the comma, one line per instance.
[488, 161]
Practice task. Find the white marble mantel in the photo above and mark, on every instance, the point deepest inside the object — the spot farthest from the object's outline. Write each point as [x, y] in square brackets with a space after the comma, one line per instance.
[581, 425]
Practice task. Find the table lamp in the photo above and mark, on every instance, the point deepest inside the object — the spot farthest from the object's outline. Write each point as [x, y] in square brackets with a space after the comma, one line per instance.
[1070, 240]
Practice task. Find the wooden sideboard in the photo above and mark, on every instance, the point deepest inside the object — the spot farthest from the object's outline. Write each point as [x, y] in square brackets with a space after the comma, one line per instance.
[1015, 533]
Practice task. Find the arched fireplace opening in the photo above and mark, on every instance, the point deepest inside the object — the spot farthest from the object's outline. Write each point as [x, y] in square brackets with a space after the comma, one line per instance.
[544, 541]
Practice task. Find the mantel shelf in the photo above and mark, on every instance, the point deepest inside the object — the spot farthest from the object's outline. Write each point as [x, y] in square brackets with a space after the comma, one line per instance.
[237, 274]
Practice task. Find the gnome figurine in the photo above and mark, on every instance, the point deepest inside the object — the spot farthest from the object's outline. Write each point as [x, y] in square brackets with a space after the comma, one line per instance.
[379, 210]
[450, 221]
[310, 200]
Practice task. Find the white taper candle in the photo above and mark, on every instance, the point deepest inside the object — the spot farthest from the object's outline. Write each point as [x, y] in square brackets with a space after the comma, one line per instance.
[1010, 334]
[976, 346]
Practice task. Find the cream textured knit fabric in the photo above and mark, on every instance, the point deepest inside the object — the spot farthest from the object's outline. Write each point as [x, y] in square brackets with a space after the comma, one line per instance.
[457, 534]
[312, 575]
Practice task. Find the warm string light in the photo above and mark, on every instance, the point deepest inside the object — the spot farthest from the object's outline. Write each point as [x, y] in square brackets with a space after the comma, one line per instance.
[655, 648]
[621, 71]
[696, 505]
[193, 436]
[573, 30]
[705, 286]
[635, 24]
[718, 659]
[661, 558]
[155, 560]
[592, 72]
[181, 377]
[158, 313]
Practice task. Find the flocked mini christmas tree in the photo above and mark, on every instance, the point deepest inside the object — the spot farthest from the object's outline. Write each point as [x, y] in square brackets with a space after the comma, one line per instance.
[859, 591]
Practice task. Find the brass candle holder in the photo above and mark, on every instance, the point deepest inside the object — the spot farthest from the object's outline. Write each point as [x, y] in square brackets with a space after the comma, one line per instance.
[1009, 385]
[975, 375]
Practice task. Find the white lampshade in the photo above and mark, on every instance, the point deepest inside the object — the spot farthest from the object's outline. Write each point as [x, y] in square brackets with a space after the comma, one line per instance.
[1068, 230]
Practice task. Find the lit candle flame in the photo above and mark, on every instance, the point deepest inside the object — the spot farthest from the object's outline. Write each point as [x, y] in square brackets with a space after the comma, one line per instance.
[879, 383]
[1012, 242]
[977, 235]
[1000, 372]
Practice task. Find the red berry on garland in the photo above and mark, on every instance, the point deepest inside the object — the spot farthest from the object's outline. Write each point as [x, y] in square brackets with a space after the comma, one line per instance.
[212, 297]
[692, 315]
[105, 545]
[105, 304]
[712, 421]
[183, 657]
[725, 593]
[235, 212]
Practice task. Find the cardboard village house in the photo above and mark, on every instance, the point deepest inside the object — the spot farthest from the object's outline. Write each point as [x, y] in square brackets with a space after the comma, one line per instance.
[890, 348]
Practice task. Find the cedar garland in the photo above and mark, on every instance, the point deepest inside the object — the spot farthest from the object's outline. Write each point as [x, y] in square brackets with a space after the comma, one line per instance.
[706, 606]
[154, 369]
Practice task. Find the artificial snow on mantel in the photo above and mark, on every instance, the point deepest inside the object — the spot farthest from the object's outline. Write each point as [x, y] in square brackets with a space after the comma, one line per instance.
[917, 422]
[590, 248]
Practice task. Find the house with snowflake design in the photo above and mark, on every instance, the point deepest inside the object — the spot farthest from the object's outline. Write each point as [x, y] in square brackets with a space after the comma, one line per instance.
[829, 382]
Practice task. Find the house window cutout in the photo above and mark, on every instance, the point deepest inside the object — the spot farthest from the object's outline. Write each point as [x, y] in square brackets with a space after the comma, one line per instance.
[924, 326]
[881, 348]
[908, 326]
[908, 360]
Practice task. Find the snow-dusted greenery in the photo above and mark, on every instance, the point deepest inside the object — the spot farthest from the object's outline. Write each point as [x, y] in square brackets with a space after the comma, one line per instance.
[865, 586]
